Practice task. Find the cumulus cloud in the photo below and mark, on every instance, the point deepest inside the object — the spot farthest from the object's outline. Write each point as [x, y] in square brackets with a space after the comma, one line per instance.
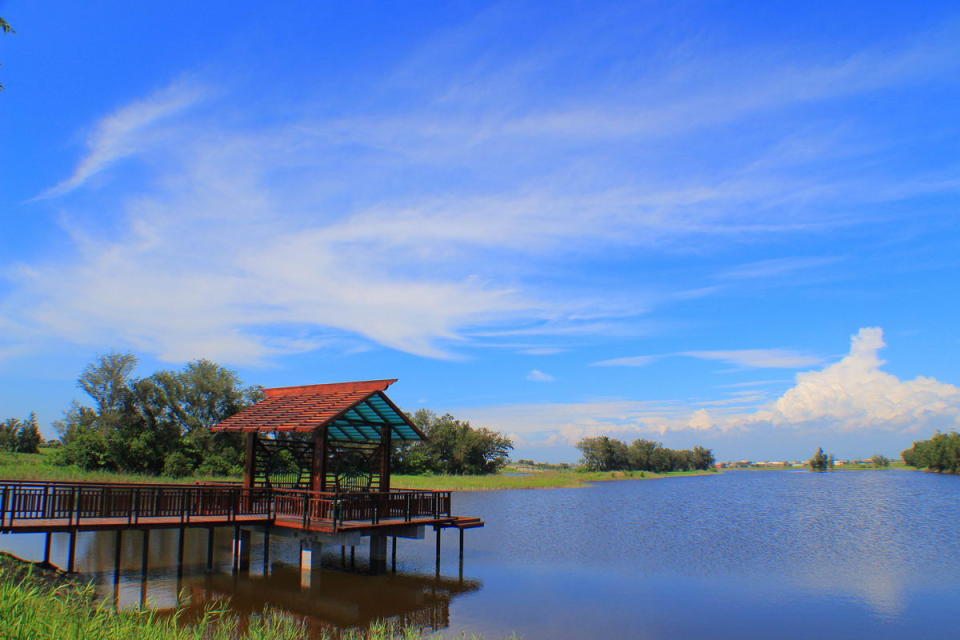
[850, 396]
[856, 394]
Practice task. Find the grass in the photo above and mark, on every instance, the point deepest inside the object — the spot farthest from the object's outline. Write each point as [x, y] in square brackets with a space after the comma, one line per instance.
[37, 466]
[43, 604]
[534, 480]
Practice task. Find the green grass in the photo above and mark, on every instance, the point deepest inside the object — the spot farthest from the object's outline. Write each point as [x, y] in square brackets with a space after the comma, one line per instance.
[38, 466]
[535, 480]
[42, 604]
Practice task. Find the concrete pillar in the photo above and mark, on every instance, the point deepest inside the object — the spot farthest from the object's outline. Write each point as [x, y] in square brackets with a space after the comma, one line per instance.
[241, 550]
[378, 553]
[310, 556]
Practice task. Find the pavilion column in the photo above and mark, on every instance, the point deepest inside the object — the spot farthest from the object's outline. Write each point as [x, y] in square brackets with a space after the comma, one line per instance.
[250, 460]
[318, 471]
[386, 444]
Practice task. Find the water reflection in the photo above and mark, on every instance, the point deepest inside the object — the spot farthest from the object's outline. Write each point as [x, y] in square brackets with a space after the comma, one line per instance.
[335, 599]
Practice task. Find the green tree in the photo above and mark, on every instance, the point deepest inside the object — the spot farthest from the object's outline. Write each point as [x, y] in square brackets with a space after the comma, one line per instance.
[452, 446]
[603, 453]
[880, 461]
[29, 438]
[9, 429]
[157, 424]
[820, 461]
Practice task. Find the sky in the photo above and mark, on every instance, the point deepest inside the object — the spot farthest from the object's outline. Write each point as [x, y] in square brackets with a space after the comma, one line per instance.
[715, 223]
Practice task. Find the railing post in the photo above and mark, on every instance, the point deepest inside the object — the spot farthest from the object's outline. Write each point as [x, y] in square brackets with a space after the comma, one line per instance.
[4, 508]
[407, 515]
[75, 507]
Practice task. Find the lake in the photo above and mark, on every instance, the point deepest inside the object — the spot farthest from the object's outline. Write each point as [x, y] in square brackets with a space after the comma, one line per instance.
[740, 555]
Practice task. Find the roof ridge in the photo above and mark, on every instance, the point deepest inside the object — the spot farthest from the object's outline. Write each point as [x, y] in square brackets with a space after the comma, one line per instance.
[368, 386]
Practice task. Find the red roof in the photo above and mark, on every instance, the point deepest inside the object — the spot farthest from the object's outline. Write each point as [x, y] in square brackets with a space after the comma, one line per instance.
[304, 408]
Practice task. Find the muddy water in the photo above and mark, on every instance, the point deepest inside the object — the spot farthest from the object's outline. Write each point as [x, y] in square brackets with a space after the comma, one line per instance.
[740, 555]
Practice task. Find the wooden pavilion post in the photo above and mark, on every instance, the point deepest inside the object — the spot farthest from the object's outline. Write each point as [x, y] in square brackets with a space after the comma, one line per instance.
[250, 461]
[318, 470]
[386, 447]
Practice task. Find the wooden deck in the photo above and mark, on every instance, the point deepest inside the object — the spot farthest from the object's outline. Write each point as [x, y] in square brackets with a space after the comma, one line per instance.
[30, 507]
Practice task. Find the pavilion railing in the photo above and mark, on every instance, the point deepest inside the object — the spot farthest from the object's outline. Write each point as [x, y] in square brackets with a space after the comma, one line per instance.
[72, 503]
[336, 509]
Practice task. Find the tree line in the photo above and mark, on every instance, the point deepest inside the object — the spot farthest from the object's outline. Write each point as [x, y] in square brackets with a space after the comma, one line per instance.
[452, 447]
[20, 436]
[156, 424]
[603, 453]
[939, 453]
[160, 424]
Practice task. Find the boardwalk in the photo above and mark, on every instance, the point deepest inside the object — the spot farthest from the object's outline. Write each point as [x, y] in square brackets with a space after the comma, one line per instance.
[27, 507]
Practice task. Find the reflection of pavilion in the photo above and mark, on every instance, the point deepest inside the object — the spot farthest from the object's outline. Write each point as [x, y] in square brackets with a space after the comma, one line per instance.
[335, 600]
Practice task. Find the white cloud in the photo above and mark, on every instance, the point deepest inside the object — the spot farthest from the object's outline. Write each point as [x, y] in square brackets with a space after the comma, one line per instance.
[126, 132]
[759, 358]
[539, 376]
[850, 396]
[631, 361]
[855, 394]
[748, 358]
[775, 267]
[429, 228]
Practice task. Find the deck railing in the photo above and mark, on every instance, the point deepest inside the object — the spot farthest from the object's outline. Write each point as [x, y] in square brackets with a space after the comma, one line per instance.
[73, 503]
[85, 501]
[335, 509]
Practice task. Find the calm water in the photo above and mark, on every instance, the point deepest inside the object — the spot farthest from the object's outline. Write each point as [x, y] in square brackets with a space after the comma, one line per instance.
[751, 554]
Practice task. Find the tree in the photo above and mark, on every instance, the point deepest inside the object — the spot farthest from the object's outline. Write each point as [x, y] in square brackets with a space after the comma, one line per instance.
[9, 429]
[820, 461]
[940, 453]
[880, 461]
[452, 446]
[603, 454]
[29, 438]
[157, 424]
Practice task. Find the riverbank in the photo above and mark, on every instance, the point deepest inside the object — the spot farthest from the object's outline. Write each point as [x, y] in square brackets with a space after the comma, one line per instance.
[532, 480]
[37, 466]
[40, 603]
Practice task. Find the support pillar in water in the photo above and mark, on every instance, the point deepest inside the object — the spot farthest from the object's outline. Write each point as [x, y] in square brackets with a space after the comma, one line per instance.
[310, 556]
[46, 549]
[378, 553]
[461, 555]
[241, 550]
[266, 551]
[144, 565]
[210, 536]
[72, 551]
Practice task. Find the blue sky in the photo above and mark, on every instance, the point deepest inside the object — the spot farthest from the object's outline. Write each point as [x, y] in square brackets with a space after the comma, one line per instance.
[698, 222]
